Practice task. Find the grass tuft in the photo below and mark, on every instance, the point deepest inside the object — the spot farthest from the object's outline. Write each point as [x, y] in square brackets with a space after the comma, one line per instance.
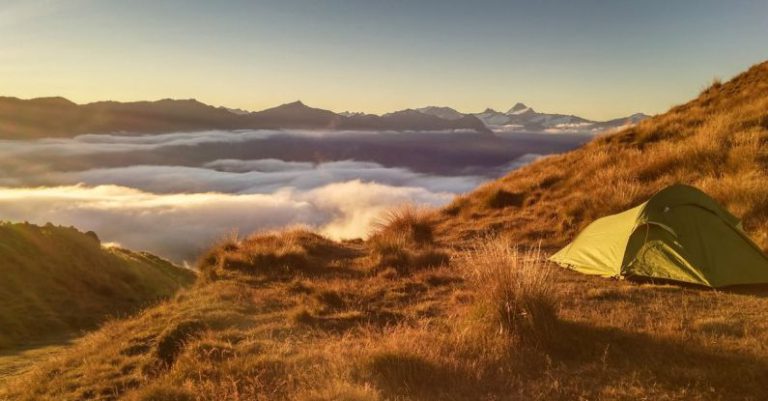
[409, 223]
[272, 254]
[174, 338]
[301, 316]
[516, 291]
[499, 199]
[162, 392]
[341, 391]
[404, 373]
[404, 241]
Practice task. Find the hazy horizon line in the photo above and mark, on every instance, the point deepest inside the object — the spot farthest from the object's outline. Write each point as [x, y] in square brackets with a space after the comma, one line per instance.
[254, 110]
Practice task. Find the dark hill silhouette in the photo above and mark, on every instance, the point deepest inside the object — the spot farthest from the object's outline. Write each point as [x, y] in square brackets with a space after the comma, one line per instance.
[59, 117]
[412, 120]
[295, 115]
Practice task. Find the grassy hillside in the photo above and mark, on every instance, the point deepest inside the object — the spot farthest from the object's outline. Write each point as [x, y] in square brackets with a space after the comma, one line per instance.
[717, 142]
[58, 281]
[441, 306]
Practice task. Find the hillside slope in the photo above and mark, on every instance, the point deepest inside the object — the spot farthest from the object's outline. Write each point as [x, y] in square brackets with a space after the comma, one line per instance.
[57, 281]
[717, 142]
[295, 316]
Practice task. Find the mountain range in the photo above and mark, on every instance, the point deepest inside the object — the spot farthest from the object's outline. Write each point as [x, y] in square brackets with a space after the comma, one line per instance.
[523, 118]
[60, 117]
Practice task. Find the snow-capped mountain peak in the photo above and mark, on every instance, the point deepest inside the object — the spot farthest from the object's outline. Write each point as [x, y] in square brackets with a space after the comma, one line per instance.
[519, 108]
[523, 118]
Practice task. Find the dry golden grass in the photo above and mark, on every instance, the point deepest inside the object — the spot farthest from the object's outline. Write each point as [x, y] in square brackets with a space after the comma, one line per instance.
[295, 316]
[346, 332]
[272, 330]
[271, 254]
[519, 295]
[414, 225]
[717, 142]
[404, 240]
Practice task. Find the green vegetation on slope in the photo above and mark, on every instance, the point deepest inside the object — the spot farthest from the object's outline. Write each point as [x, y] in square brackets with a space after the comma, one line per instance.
[57, 281]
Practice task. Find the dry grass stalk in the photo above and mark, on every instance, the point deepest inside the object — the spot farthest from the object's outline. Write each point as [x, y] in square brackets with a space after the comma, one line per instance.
[515, 289]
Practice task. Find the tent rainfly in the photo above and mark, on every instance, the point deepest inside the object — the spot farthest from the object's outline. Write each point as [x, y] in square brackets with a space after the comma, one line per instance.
[679, 234]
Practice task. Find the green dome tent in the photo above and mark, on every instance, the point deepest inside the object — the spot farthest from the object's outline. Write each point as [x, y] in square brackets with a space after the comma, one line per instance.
[679, 234]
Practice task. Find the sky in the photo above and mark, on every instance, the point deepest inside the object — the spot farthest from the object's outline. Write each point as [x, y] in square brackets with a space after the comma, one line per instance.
[598, 59]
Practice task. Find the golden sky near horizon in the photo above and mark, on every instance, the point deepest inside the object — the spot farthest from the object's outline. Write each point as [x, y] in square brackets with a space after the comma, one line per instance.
[596, 60]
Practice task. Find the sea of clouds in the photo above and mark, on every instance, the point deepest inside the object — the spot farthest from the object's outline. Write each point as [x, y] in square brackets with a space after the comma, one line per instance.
[180, 225]
[178, 211]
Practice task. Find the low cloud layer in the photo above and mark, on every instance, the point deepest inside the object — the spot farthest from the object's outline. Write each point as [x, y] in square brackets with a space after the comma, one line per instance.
[106, 143]
[179, 226]
[177, 209]
[257, 176]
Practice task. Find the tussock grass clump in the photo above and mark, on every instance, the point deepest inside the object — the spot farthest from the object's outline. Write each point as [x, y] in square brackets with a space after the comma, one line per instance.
[456, 206]
[429, 258]
[162, 392]
[412, 224]
[272, 254]
[404, 240]
[330, 299]
[390, 251]
[172, 341]
[341, 391]
[441, 361]
[301, 316]
[515, 290]
[498, 198]
[405, 373]
[405, 257]
[720, 326]
[299, 286]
